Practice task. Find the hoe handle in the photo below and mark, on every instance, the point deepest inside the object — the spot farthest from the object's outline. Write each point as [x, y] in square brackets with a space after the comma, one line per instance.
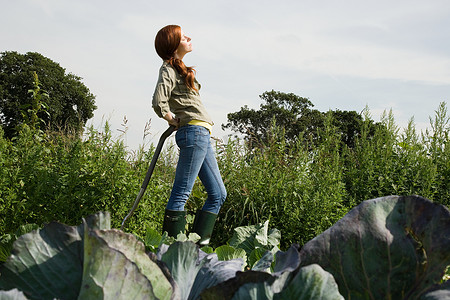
[163, 137]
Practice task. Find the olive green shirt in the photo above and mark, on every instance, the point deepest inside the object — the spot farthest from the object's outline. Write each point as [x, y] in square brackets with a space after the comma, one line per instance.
[172, 95]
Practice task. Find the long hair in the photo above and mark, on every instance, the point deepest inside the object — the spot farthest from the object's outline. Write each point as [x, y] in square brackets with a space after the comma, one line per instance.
[166, 43]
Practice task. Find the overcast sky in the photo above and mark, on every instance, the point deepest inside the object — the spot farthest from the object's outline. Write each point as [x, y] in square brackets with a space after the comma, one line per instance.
[340, 54]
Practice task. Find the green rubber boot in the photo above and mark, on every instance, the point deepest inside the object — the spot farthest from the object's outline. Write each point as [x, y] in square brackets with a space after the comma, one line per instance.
[174, 222]
[203, 225]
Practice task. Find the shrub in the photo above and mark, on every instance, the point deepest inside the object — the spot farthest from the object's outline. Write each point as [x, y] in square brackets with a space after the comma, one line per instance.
[302, 189]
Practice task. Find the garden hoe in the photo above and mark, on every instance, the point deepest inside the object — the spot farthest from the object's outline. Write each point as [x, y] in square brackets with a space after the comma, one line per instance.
[163, 137]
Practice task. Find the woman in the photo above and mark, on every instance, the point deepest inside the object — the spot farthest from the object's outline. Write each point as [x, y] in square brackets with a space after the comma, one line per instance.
[177, 100]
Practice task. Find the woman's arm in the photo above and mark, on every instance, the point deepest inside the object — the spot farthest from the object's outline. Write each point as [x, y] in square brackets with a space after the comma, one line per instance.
[164, 87]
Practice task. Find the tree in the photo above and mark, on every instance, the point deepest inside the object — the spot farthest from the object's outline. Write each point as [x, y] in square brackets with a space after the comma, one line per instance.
[348, 125]
[295, 115]
[289, 111]
[69, 103]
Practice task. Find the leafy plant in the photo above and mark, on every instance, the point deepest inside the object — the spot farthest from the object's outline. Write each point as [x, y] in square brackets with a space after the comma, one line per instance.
[153, 240]
[250, 243]
[30, 111]
[256, 240]
[227, 252]
[386, 248]
[310, 282]
[7, 240]
[88, 261]
[392, 247]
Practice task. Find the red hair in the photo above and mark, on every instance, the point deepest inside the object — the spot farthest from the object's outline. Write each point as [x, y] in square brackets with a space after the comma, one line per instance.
[166, 43]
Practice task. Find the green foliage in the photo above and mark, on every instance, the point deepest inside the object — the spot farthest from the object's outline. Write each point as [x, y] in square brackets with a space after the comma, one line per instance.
[447, 274]
[295, 116]
[302, 188]
[300, 191]
[290, 111]
[250, 243]
[153, 239]
[227, 252]
[311, 282]
[93, 261]
[52, 177]
[7, 240]
[78, 264]
[386, 248]
[305, 188]
[391, 247]
[69, 103]
[30, 111]
[402, 164]
[256, 240]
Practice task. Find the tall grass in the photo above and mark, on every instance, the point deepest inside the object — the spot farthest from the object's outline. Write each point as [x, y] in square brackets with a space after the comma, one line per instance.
[54, 177]
[306, 188]
[302, 189]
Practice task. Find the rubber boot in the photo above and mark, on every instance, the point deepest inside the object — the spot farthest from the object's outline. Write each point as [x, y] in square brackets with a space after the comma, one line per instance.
[203, 225]
[174, 222]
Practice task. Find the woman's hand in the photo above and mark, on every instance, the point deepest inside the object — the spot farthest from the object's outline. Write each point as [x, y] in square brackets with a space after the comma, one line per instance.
[172, 121]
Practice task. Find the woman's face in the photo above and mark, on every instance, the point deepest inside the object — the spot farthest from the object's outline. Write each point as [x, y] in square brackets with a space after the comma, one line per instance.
[185, 45]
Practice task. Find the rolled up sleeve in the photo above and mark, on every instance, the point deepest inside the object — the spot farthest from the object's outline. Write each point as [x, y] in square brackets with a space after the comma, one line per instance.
[161, 96]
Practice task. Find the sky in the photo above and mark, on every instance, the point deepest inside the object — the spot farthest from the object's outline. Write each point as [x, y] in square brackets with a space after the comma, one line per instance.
[346, 55]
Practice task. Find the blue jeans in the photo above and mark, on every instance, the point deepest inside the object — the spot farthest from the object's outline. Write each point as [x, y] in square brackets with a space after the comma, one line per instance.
[196, 159]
